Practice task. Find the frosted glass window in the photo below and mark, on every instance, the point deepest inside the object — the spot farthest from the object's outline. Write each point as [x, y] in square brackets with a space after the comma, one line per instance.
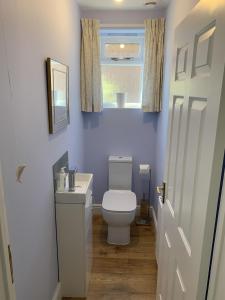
[121, 79]
[122, 52]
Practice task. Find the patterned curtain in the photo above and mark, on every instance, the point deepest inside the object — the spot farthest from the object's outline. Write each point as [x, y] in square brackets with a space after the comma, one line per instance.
[153, 65]
[91, 84]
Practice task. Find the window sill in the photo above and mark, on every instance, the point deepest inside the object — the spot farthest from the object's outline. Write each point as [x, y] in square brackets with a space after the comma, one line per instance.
[121, 108]
[127, 106]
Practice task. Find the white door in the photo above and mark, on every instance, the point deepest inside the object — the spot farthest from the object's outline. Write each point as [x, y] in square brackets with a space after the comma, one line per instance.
[7, 289]
[195, 153]
[3, 288]
[216, 284]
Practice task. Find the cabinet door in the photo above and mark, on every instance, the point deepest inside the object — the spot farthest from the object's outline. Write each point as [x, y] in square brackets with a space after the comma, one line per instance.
[71, 249]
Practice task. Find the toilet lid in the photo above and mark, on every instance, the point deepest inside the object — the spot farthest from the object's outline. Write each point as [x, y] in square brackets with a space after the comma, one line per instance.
[119, 200]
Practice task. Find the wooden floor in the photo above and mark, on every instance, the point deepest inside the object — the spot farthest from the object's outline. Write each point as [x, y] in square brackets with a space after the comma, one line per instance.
[123, 272]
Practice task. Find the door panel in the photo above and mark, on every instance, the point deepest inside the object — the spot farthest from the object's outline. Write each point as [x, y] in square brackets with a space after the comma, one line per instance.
[179, 289]
[181, 69]
[203, 51]
[195, 153]
[191, 159]
[175, 135]
[168, 261]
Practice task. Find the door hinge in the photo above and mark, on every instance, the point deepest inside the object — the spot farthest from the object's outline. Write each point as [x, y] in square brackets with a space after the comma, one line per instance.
[162, 191]
[10, 263]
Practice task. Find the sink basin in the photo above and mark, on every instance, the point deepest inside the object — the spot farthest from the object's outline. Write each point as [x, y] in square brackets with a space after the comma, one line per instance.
[83, 186]
[82, 181]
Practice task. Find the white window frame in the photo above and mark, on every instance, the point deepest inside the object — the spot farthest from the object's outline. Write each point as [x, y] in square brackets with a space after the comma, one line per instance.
[117, 36]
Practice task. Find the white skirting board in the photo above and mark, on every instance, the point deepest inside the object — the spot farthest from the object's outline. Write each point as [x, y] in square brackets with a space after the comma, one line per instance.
[97, 209]
[57, 293]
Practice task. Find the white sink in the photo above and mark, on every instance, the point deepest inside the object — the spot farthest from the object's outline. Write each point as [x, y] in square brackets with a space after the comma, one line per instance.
[82, 182]
[83, 187]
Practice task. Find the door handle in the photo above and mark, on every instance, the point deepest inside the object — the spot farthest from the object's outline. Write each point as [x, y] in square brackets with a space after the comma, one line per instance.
[161, 189]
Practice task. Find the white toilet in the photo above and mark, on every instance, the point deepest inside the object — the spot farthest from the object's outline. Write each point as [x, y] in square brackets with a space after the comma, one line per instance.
[119, 203]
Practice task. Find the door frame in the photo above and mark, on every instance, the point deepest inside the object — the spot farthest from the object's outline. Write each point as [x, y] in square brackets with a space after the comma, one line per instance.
[217, 239]
[5, 248]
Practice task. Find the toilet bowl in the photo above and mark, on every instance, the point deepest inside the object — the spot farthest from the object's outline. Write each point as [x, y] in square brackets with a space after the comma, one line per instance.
[118, 210]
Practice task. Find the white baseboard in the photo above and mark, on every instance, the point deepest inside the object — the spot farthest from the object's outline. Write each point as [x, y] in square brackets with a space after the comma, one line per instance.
[57, 293]
[152, 213]
[97, 209]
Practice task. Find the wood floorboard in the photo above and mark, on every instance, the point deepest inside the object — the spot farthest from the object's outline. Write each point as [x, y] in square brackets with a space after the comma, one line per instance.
[123, 272]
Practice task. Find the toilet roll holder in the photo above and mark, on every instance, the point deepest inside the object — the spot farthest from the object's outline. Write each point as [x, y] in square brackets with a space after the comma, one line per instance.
[144, 218]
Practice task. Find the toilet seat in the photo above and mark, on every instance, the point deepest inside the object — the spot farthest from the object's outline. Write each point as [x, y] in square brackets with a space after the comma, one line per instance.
[119, 201]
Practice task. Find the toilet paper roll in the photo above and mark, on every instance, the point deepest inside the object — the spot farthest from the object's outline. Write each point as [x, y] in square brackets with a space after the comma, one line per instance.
[144, 169]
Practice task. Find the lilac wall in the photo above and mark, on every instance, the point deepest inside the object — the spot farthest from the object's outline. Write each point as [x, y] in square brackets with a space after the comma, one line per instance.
[118, 132]
[30, 31]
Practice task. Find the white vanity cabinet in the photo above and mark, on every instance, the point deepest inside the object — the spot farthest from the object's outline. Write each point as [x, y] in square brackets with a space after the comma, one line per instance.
[74, 236]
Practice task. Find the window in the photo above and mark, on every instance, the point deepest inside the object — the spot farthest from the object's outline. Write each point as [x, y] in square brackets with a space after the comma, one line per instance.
[122, 66]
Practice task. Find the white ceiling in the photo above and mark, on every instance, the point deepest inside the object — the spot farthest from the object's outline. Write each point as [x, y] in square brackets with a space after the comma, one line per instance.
[125, 4]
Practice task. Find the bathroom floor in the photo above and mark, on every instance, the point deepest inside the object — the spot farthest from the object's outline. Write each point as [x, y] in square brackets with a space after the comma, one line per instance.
[123, 272]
